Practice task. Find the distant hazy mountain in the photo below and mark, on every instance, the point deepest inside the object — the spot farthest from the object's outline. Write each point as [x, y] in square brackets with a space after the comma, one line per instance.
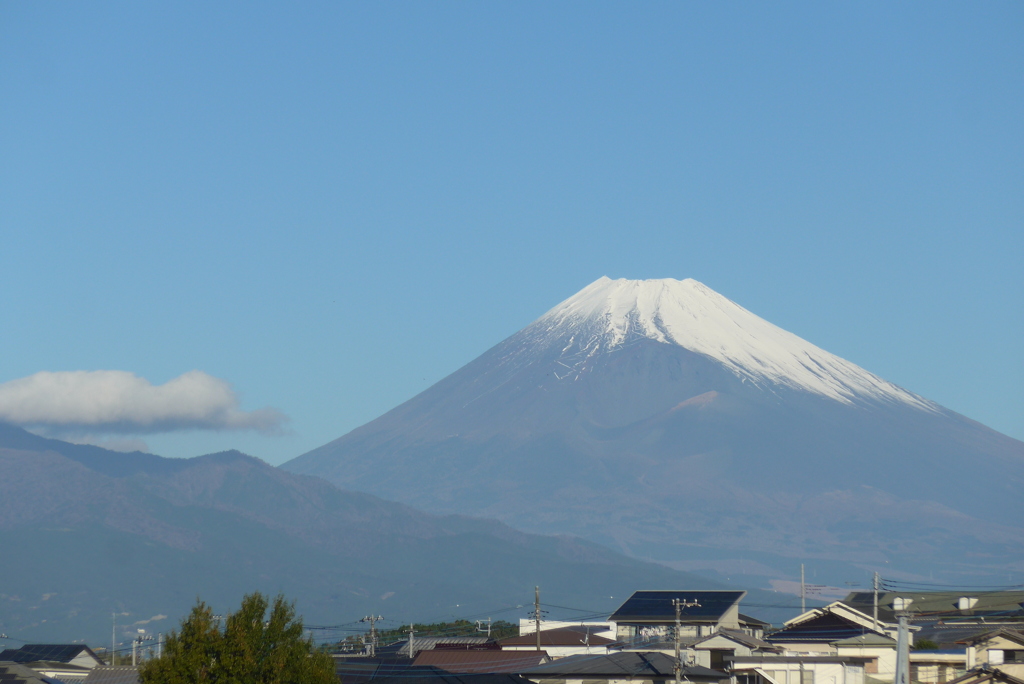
[670, 422]
[85, 532]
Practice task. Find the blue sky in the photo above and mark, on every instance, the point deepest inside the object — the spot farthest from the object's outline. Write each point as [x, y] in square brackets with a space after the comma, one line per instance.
[331, 206]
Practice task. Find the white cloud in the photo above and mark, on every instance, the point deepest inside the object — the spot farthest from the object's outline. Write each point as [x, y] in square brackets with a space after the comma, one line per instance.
[122, 402]
[152, 619]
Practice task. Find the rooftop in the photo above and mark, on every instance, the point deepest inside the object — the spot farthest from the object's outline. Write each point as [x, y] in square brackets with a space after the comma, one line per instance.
[656, 606]
[641, 665]
[481, 662]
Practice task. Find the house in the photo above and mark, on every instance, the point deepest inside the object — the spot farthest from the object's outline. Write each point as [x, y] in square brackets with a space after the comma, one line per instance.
[937, 666]
[560, 642]
[923, 606]
[768, 668]
[66, 662]
[626, 667]
[717, 650]
[1002, 648]
[949, 633]
[816, 630]
[878, 651]
[650, 616]
[837, 631]
[13, 673]
[480, 662]
[986, 675]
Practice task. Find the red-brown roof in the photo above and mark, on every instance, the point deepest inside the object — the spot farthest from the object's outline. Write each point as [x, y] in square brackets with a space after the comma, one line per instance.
[465, 662]
[562, 636]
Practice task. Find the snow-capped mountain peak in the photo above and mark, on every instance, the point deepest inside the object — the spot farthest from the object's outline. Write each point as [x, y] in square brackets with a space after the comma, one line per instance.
[608, 313]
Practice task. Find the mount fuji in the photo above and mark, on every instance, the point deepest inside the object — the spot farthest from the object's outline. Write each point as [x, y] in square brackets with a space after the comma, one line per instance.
[661, 418]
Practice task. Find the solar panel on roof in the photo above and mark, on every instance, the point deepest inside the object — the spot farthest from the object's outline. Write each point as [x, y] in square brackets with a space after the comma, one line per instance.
[657, 606]
[30, 653]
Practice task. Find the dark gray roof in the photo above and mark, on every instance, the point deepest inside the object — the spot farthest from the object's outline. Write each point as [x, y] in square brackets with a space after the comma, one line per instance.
[947, 634]
[985, 674]
[656, 606]
[15, 673]
[482, 662]
[642, 665]
[53, 653]
[358, 669]
[869, 639]
[113, 674]
[823, 629]
[441, 677]
[992, 633]
[741, 638]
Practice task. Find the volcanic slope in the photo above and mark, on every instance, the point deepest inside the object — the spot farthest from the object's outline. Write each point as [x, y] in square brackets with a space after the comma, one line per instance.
[85, 532]
[667, 420]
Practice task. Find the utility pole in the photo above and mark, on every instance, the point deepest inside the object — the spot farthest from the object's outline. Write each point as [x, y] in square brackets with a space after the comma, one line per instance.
[875, 585]
[902, 649]
[536, 612]
[679, 628]
[479, 626]
[372, 619]
[412, 642]
[160, 645]
[113, 635]
[803, 591]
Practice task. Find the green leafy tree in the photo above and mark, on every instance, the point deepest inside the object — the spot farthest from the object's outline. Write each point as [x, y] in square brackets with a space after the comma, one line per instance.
[251, 649]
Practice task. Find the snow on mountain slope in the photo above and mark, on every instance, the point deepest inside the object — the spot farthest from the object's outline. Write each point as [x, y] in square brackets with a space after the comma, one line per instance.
[608, 314]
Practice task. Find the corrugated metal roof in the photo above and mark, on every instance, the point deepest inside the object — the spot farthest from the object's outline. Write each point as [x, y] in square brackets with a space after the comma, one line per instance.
[429, 643]
[463, 662]
[656, 606]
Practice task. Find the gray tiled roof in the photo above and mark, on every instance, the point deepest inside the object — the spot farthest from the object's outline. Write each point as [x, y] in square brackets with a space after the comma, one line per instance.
[14, 673]
[113, 674]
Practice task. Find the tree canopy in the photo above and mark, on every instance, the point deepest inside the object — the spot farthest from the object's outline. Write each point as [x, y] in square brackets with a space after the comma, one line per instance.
[252, 648]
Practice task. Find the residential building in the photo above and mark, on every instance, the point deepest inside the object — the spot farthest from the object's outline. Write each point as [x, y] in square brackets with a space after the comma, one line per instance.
[650, 616]
[66, 662]
[1001, 648]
